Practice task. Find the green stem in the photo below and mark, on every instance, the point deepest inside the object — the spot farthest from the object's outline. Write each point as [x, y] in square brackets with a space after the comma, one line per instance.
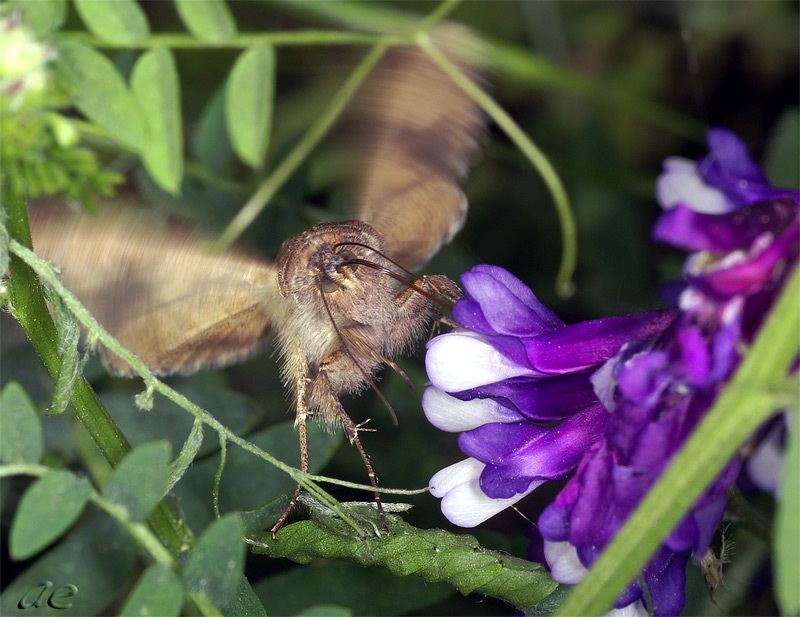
[300, 152]
[745, 404]
[179, 40]
[537, 158]
[29, 307]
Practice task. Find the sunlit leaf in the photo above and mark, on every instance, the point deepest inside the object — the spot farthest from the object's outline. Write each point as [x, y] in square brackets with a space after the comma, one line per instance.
[154, 82]
[99, 92]
[248, 103]
[209, 20]
[44, 17]
[116, 21]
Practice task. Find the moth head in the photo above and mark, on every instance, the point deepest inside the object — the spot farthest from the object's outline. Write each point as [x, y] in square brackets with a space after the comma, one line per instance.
[322, 259]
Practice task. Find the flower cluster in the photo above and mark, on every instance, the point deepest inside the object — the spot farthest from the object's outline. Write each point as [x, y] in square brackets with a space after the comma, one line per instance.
[23, 77]
[609, 402]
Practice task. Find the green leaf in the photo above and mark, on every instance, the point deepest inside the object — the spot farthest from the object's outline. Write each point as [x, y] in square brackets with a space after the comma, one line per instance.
[330, 588]
[21, 438]
[85, 572]
[46, 510]
[44, 17]
[208, 20]
[782, 160]
[331, 610]
[245, 602]
[214, 565]
[159, 592]
[154, 82]
[210, 143]
[99, 92]
[787, 531]
[140, 480]
[248, 103]
[116, 21]
[434, 554]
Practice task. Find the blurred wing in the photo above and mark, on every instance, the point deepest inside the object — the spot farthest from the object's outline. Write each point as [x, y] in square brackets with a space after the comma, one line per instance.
[420, 131]
[158, 288]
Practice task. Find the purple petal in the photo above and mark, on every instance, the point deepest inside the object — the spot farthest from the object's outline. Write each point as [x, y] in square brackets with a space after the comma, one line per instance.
[587, 344]
[695, 354]
[666, 582]
[516, 454]
[739, 273]
[694, 231]
[539, 399]
[507, 305]
[643, 377]
[553, 523]
[730, 168]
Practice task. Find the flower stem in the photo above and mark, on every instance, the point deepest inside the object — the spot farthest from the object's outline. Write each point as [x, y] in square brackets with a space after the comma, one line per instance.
[27, 304]
[747, 402]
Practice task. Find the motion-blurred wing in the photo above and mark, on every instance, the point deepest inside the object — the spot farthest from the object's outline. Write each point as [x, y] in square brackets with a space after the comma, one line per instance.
[158, 288]
[419, 133]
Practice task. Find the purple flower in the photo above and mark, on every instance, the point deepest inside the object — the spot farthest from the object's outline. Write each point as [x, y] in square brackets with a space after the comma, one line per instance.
[608, 403]
[516, 386]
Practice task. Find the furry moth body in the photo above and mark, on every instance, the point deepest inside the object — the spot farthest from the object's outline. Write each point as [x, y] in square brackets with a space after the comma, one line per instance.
[334, 313]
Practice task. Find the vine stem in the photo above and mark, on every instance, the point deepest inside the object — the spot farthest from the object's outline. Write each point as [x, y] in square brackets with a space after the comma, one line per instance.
[540, 162]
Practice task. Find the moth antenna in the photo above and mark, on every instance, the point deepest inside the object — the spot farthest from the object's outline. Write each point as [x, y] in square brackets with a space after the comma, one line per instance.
[517, 510]
[397, 277]
[377, 252]
[353, 358]
[396, 368]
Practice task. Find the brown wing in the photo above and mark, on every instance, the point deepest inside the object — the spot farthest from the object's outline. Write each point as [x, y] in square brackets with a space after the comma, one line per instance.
[419, 132]
[158, 288]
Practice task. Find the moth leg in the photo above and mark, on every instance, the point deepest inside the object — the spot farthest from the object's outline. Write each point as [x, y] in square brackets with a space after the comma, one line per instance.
[324, 395]
[301, 419]
[416, 307]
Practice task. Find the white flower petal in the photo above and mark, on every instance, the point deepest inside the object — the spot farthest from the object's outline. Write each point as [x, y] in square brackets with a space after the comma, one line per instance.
[448, 413]
[765, 465]
[463, 502]
[565, 567]
[447, 479]
[681, 183]
[462, 360]
[634, 609]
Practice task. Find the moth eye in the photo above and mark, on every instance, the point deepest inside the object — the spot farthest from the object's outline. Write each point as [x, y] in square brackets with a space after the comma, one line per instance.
[327, 284]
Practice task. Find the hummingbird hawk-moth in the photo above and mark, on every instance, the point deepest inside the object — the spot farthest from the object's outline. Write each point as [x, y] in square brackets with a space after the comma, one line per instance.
[334, 300]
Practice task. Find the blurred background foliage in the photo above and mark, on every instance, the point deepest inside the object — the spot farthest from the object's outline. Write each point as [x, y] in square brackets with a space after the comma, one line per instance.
[606, 89]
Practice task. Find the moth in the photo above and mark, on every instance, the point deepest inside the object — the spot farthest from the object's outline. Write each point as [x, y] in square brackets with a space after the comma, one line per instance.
[335, 300]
